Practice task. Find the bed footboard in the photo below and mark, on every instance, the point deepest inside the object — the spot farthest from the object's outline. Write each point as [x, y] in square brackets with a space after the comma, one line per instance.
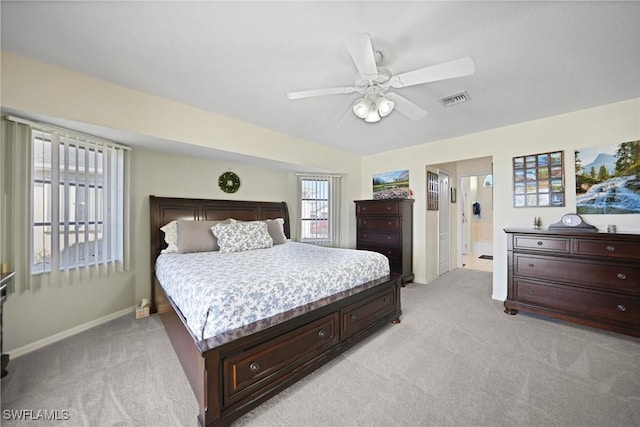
[234, 378]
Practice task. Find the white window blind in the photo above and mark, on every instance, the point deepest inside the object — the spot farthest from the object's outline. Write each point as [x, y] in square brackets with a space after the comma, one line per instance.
[319, 209]
[78, 201]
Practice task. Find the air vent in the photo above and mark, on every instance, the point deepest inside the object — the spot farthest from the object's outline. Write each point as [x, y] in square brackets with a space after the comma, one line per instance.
[456, 98]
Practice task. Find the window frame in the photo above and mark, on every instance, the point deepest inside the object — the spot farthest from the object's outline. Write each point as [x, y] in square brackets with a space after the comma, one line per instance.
[319, 210]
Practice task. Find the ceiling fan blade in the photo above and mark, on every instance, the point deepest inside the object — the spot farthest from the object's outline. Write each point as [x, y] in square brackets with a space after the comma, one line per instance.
[448, 70]
[320, 92]
[406, 107]
[348, 114]
[361, 50]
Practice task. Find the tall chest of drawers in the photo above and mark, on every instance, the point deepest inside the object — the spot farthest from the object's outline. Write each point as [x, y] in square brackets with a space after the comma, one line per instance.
[386, 226]
[588, 278]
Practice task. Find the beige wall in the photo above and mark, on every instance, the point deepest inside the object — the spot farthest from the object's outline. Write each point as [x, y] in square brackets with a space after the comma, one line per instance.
[482, 226]
[37, 88]
[607, 124]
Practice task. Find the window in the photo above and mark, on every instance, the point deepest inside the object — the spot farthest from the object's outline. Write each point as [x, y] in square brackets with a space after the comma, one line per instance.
[77, 202]
[319, 204]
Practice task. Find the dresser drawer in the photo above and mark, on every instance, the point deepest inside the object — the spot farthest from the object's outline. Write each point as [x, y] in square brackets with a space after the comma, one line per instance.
[378, 208]
[379, 238]
[393, 253]
[268, 362]
[542, 244]
[593, 304]
[379, 223]
[602, 248]
[605, 276]
[362, 314]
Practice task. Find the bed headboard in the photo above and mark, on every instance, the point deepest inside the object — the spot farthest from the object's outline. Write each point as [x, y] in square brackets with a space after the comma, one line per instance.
[165, 209]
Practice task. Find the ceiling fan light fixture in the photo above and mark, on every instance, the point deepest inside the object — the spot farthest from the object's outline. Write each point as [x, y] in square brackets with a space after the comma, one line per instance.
[361, 108]
[384, 106]
[373, 115]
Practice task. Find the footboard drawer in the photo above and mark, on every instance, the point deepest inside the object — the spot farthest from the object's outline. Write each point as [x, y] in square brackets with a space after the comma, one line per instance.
[263, 365]
[360, 315]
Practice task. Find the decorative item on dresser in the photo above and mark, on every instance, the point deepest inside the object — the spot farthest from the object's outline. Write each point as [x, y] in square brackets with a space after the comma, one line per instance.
[386, 226]
[583, 277]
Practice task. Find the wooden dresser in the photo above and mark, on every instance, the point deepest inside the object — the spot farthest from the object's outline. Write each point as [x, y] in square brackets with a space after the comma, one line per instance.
[386, 226]
[584, 277]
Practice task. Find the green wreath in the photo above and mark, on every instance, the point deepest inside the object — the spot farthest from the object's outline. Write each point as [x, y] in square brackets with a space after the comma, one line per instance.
[229, 182]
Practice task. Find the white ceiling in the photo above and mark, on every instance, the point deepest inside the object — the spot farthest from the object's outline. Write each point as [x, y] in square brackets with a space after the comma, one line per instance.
[239, 59]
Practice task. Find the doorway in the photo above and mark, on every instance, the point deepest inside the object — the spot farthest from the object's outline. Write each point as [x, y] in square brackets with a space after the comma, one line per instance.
[476, 221]
[443, 226]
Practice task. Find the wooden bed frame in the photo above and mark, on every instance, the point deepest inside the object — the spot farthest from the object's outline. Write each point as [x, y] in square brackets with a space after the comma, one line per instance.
[232, 374]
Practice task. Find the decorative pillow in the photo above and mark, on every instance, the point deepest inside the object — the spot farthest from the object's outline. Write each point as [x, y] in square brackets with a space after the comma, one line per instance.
[196, 236]
[170, 237]
[275, 227]
[242, 236]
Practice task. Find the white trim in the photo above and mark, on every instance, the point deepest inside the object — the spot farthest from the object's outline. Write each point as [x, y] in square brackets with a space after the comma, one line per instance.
[36, 345]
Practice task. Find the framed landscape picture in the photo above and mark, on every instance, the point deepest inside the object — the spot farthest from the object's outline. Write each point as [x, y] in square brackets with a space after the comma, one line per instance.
[608, 179]
[391, 185]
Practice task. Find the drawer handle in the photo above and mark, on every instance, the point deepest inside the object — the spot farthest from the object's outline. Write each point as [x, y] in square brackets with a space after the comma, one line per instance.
[255, 367]
[540, 243]
[322, 333]
[531, 265]
[622, 307]
[364, 222]
[530, 291]
[621, 276]
[352, 317]
[364, 236]
[388, 237]
[388, 208]
[611, 248]
[389, 223]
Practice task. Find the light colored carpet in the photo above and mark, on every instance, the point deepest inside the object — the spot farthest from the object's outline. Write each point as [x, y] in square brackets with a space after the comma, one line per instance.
[455, 360]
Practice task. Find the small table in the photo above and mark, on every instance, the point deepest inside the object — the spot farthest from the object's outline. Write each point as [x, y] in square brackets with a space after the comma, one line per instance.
[5, 278]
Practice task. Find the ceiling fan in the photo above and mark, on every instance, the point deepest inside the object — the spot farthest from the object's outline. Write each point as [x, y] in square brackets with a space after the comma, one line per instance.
[374, 83]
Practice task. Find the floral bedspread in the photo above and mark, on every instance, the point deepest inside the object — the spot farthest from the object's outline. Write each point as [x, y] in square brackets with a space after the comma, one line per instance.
[220, 292]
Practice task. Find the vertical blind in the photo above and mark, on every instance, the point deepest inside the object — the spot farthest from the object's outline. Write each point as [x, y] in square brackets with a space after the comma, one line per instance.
[76, 200]
[319, 209]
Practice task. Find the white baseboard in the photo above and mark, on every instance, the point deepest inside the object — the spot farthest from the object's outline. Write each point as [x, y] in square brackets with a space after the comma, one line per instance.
[65, 334]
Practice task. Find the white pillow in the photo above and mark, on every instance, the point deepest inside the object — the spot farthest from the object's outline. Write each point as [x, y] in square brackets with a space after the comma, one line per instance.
[242, 236]
[171, 237]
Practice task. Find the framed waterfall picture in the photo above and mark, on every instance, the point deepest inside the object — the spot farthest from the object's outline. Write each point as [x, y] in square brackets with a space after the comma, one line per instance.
[538, 180]
[608, 179]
